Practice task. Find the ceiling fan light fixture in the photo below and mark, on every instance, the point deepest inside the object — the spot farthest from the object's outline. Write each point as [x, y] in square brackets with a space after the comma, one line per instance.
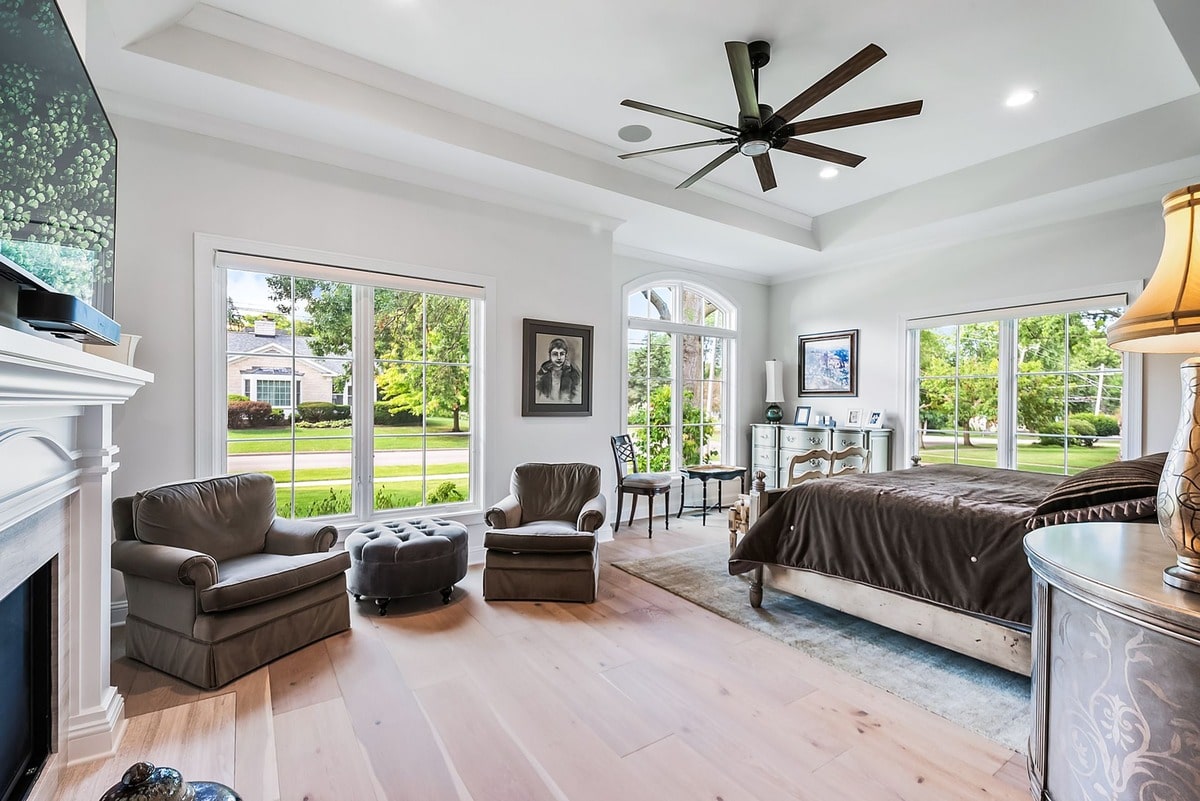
[828, 172]
[754, 147]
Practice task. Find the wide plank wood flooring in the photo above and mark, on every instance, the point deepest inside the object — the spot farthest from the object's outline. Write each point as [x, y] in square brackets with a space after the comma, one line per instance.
[641, 696]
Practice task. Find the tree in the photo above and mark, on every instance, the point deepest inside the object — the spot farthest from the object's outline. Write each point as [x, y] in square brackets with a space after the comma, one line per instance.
[422, 341]
[233, 318]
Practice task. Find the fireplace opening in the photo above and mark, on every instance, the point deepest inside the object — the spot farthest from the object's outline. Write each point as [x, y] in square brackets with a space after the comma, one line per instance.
[25, 677]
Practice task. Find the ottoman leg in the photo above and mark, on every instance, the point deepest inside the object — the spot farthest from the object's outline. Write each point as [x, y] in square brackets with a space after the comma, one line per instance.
[382, 603]
[446, 592]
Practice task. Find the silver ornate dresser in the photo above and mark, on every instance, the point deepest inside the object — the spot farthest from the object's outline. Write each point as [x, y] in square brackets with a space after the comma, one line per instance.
[1116, 667]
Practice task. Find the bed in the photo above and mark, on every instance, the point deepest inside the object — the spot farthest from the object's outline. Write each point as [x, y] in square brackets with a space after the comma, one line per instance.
[935, 552]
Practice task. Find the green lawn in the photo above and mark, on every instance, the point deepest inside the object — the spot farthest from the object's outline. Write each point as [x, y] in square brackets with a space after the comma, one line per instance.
[391, 438]
[381, 471]
[314, 501]
[1030, 456]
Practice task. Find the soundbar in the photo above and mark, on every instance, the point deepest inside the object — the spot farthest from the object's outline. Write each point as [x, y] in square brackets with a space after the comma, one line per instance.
[66, 316]
[57, 313]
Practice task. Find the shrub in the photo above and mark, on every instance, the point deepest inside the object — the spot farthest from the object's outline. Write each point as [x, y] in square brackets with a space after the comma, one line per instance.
[446, 492]
[234, 398]
[319, 411]
[325, 424]
[249, 414]
[385, 416]
[332, 504]
[1083, 431]
[1106, 425]
[1079, 431]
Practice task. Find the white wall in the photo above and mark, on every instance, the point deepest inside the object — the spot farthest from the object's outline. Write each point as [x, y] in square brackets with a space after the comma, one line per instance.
[75, 14]
[174, 184]
[1068, 258]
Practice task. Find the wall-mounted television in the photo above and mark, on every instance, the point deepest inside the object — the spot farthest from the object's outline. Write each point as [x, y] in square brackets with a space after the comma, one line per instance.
[58, 178]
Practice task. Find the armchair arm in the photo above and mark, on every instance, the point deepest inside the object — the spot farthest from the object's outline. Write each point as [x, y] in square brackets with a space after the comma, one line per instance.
[165, 563]
[505, 513]
[288, 537]
[591, 516]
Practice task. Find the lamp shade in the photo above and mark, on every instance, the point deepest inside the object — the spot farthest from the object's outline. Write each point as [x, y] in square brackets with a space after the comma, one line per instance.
[1166, 316]
[774, 381]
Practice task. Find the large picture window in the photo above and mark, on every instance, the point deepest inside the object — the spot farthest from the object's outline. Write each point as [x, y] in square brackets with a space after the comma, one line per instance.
[299, 338]
[678, 348]
[1033, 388]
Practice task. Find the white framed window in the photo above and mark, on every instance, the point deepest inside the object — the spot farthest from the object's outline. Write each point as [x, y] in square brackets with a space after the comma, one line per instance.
[275, 391]
[409, 443]
[680, 340]
[1030, 387]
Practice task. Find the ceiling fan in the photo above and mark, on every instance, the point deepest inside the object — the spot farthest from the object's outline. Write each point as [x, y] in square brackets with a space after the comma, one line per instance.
[760, 128]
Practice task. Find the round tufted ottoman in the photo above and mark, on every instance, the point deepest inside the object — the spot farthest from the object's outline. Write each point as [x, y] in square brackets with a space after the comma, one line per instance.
[400, 558]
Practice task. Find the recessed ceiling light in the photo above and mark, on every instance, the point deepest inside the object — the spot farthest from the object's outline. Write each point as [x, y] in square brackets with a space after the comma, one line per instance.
[1020, 97]
[634, 133]
[828, 172]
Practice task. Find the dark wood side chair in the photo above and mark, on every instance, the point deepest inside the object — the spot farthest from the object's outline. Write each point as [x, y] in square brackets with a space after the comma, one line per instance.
[630, 480]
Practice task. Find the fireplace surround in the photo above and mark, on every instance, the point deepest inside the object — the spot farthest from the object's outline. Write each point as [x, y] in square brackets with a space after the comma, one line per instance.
[56, 406]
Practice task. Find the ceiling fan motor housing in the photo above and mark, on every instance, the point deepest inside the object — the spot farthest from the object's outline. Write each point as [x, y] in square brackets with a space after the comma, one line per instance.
[760, 53]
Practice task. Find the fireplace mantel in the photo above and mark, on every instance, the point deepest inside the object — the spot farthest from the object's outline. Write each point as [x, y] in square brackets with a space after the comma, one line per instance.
[56, 448]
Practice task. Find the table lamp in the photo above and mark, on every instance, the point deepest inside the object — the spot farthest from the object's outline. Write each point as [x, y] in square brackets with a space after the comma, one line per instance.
[774, 390]
[1166, 319]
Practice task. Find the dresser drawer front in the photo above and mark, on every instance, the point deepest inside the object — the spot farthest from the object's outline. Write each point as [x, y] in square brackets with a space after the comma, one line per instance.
[805, 465]
[848, 439]
[765, 458]
[803, 439]
[765, 436]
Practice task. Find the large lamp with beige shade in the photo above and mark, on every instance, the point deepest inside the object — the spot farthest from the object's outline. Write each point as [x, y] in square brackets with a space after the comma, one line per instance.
[1166, 319]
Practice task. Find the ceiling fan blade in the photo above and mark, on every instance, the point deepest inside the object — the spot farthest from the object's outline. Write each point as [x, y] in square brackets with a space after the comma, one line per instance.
[840, 76]
[852, 118]
[673, 148]
[823, 153]
[709, 167]
[679, 115]
[743, 79]
[766, 173]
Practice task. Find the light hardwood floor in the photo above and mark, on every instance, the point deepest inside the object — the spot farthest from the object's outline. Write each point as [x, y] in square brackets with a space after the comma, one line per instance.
[640, 695]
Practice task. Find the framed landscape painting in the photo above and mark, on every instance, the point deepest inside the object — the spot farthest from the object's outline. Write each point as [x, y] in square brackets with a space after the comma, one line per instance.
[828, 363]
[556, 371]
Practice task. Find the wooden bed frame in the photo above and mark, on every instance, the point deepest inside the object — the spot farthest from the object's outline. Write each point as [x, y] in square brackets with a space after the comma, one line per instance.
[950, 628]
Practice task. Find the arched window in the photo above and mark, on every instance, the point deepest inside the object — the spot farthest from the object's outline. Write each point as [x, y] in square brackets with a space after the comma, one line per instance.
[679, 349]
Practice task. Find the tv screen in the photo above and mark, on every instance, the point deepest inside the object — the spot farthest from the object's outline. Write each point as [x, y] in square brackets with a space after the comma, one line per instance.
[58, 158]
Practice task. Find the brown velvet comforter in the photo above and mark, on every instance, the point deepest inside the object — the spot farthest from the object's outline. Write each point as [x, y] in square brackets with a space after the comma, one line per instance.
[951, 534]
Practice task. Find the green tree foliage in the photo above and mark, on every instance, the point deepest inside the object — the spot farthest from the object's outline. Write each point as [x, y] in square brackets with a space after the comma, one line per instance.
[959, 369]
[653, 442]
[422, 341]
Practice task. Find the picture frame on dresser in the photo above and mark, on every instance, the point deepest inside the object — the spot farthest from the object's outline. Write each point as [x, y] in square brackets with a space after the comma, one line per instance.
[828, 363]
[803, 415]
[874, 419]
[854, 418]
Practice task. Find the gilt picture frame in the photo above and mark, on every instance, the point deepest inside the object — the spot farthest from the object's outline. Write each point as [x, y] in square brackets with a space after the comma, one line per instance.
[556, 369]
[828, 363]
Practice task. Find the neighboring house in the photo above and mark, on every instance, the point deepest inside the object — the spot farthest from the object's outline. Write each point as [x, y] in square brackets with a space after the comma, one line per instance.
[254, 368]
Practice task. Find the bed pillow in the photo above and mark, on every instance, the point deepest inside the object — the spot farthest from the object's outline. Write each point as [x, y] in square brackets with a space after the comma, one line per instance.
[1111, 492]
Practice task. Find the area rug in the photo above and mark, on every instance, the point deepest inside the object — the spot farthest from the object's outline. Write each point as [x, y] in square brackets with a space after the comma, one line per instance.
[972, 694]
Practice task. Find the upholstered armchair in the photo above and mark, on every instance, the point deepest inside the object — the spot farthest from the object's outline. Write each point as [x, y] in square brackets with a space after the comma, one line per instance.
[217, 584]
[541, 545]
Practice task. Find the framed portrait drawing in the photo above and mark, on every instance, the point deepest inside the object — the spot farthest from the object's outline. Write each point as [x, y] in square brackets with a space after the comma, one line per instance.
[874, 419]
[828, 363]
[803, 415]
[556, 369]
[854, 418]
